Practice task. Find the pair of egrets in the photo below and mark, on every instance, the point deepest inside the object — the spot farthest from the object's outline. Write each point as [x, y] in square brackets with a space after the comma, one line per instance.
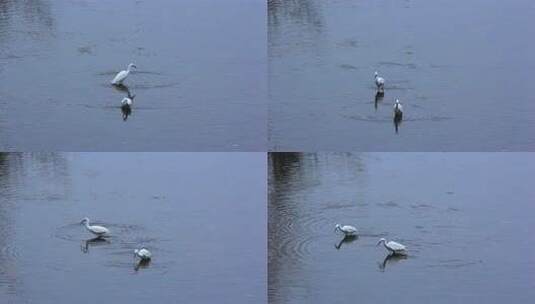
[101, 232]
[391, 246]
[398, 108]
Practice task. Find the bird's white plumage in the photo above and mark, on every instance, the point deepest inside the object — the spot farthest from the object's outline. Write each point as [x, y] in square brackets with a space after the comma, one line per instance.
[346, 229]
[379, 82]
[121, 76]
[95, 229]
[393, 247]
[398, 108]
[143, 253]
[126, 101]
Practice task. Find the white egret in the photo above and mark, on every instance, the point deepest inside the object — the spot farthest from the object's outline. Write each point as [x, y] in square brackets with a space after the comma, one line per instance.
[96, 230]
[144, 254]
[379, 82]
[398, 110]
[393, 247]
[121, 76]
[346, 229]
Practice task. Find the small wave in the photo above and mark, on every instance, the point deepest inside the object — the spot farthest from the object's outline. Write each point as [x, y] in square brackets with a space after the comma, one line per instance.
[454, 264]
[348, 67]
[398, 64]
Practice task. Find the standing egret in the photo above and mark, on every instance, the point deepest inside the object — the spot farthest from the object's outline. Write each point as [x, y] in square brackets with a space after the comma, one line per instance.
[121, 76]
[346, 229]
[393, 247]
[99, 231]
[398, 110]
[380, 83]
[143, 253]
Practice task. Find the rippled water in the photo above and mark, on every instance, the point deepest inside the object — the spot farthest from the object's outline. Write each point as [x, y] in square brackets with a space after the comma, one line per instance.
[466, 219]
[198, 86]
[190, 210]
[460, 69]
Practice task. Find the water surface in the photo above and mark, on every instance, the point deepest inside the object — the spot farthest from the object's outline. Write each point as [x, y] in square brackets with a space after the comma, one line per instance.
[198, 87]
[460, 69]
[190, 210]
[467, 220]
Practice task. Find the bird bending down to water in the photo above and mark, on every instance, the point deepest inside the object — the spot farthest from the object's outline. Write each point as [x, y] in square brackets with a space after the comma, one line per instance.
[99, 231]
[121, 76]
[398, 110]
[380, 83]
[393, 247]
[143, 253]
[127, 101]
[346, 229]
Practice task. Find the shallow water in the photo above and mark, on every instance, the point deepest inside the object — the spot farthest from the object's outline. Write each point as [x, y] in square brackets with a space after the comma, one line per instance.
[190, 210]
[200, 83]
[467, 220]
[460, 69]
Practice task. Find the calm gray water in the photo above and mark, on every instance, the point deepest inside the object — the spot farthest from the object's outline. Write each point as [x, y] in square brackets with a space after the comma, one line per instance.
[467, 220]
[462, 69]
[202, 215]
[200, 83]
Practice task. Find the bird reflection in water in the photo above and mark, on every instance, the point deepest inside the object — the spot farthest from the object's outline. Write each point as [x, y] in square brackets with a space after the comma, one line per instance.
[391, 259]
[397, 123]
[122, 88]
[141, 264]
[378, 98]
[346, 239]
[98, 241]
[126, 110]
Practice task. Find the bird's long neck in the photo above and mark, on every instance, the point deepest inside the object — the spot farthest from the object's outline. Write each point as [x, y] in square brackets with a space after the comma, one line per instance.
[384, 244]
[87, 225]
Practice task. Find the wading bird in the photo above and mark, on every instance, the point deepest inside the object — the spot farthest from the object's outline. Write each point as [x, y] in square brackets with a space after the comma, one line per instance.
[380, 83]
[143, 253]
[121, 76]
[398, 110]
[127, 102]
[96, 230]
[346, 229]
[393, 247]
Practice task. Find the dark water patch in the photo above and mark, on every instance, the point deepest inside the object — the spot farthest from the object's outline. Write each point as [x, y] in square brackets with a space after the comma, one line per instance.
[10, 57]
[348, 43]
[335, 206]
[86, 50]
[389, 204]
[422, 206]
[346, 66]
[397, 64]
